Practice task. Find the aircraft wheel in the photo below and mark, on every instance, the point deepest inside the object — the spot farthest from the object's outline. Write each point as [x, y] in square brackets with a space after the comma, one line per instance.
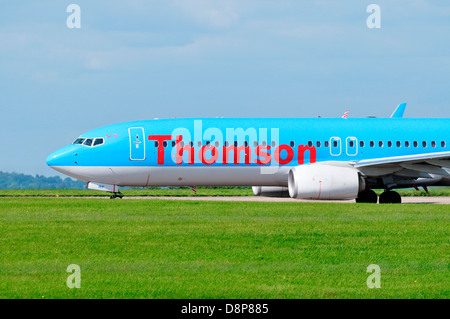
[367, 196]
[390, 197]
[116, 195]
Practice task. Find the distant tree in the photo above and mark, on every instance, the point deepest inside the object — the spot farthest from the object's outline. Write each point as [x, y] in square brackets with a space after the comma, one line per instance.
[22, 181]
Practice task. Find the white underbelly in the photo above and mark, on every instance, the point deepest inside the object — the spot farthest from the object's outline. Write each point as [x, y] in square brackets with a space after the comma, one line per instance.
[180, 176]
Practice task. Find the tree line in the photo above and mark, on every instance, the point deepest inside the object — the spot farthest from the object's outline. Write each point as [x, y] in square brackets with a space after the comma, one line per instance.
[22, 181]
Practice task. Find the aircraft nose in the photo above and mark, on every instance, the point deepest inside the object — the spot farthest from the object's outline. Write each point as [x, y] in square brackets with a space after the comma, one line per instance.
[52, 159]
[61, 157]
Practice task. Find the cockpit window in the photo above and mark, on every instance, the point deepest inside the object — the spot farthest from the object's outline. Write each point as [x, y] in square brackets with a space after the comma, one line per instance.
[88, 142]
[79, 141]
[98, 141]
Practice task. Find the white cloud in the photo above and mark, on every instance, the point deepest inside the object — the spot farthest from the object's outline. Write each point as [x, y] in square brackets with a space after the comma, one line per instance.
[214, 13]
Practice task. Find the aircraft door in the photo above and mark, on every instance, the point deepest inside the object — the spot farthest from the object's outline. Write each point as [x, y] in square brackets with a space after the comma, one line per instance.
[137, 143]
[335, 146]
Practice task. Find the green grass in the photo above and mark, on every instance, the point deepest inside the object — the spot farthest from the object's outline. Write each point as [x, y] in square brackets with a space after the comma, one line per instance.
[193, 249]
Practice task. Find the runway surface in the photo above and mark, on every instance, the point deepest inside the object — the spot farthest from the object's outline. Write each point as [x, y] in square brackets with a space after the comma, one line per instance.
[405, 200]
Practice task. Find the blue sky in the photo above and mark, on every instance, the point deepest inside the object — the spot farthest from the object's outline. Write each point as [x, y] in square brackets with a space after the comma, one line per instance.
[139, 59]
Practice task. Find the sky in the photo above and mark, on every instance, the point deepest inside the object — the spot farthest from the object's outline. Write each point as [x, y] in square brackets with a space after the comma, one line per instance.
[136, 59]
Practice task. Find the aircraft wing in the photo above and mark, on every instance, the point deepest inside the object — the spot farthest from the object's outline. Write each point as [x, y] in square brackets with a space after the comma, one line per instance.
[406, 171]
[441, 159]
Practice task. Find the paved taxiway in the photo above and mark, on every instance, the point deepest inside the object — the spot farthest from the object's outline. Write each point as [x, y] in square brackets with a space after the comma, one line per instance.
[405, 200]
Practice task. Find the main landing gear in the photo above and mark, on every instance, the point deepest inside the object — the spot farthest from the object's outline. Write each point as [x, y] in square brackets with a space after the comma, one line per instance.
[116, 195]
[390, 197]
[367, 196]
[387, 197]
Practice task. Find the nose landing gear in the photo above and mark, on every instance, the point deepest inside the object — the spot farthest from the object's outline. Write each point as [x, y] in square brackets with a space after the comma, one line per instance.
[116, 195]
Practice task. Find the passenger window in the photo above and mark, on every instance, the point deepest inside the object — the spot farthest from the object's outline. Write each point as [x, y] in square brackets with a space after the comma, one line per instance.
[274, 143]
[319, 143]
[351, 144]
[424, 144]
[245, 144]
[292, 144]
[372, 144]
[217, 143]
[191, 144]
[264, 143]
[361, 144]
[165, 144]
[173, 143]
[327, 144]
[406, 144]
[199, 143]
[235, 143]
[88, 142]
[208, 143]
[227, 144]
[433, 144]
[98, 141]
[310, 144]
[181, 143]
[156, 144]
[416, 144]
[255, 143]
[442, 144]
[389, 144]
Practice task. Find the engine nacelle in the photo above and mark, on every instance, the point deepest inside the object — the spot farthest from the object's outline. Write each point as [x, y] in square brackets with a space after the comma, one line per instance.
[324, 181]
[270, 191]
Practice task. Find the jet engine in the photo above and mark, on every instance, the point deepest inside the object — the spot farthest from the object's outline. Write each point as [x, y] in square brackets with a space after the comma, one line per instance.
[270, 191]
[325, 181]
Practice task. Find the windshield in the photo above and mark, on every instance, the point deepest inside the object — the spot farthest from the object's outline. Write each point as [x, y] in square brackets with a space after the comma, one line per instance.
[88, 142]
[79, 141]
[91, 142]
[98, 141]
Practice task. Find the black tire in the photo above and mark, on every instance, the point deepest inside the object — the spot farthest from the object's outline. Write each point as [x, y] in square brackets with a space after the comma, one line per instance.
[367, 196]
[390, 197]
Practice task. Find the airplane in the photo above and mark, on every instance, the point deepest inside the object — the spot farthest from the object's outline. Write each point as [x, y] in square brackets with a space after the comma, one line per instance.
[303, 158]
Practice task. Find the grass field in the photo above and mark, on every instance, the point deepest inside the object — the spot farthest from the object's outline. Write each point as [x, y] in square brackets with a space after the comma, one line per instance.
[150, 248]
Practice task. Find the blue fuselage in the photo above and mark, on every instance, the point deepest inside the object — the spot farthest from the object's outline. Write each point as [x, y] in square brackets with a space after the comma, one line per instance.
[243, 143]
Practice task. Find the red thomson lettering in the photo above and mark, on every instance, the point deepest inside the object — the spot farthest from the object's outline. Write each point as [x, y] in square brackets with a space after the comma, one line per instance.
[236, 152]
[262, 154]
[259, 150]
[160, 139]
[301, 154]
[277, 154]
[181, 150]
[214, 157]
